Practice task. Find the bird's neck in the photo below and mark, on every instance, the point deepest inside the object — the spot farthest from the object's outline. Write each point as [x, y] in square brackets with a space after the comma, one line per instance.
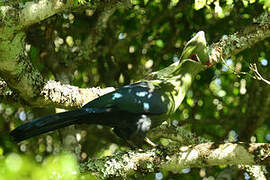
[181, 78]
[188, 66]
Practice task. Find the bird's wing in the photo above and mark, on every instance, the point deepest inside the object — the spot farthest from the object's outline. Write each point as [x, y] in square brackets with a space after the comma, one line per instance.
[142, 98]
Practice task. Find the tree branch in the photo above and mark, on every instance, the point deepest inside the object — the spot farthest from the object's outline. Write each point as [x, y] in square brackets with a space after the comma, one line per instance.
[258, 76]
[25, 82]
[34, 12]
[97, 31]
[177, 158]
[178, 134]
[28, 83]
[7, 95]
[237, 42]
[255, 171]
[67, 96]
[56, 94]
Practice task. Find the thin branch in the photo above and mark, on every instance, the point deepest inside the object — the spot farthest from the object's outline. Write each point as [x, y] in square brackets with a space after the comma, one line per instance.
[237, 42]
[106, 11]
[252, 67]
[258, 76]
[177, 158]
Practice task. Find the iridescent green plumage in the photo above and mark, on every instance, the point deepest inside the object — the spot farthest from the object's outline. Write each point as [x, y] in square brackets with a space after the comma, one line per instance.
[196, 46]
[134, 109]
[181, 73]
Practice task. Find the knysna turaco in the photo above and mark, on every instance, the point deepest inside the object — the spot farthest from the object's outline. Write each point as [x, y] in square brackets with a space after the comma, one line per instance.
[134, 109]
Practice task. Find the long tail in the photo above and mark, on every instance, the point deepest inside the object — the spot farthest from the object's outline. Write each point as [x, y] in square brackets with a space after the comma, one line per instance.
[49, 123]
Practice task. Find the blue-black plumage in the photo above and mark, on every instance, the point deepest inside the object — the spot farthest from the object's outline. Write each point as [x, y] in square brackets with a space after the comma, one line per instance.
[134, 109]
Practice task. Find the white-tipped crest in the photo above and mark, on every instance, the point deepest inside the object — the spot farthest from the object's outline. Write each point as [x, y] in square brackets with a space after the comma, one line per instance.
[199, 37]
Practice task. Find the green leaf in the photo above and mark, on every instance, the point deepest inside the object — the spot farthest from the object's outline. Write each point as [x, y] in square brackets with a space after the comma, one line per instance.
[160, 43]
[199, 4]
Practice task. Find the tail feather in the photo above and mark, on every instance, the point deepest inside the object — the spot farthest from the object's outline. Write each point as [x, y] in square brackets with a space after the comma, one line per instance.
[49, 123]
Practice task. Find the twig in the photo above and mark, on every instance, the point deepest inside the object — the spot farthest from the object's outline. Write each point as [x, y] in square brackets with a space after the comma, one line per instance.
[252, 67]
[258, 76]
[233, 70]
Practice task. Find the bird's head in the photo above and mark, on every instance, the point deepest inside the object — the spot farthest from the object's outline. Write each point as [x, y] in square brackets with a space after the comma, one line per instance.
[196, 49]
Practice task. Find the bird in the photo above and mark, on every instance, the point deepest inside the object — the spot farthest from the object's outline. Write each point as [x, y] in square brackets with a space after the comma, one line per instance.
[134, 109]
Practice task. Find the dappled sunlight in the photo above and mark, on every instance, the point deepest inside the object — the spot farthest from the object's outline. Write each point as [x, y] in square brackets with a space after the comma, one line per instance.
[223, 152]
[61, 167]
[140, 84]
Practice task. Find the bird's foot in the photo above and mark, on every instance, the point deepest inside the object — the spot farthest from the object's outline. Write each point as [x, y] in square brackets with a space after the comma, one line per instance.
[149, 142]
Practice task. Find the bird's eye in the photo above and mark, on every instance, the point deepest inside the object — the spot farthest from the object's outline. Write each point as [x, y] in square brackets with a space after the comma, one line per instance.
[194, 57]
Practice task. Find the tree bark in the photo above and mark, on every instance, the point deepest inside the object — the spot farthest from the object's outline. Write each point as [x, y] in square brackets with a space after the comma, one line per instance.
[177, 158]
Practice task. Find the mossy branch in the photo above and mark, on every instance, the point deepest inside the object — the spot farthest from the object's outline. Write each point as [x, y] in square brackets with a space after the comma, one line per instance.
[25, 81]
[230, 45]
[177, 158]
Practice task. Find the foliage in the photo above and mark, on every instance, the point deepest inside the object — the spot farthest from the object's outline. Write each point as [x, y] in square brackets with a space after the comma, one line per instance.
[62, 166]
[76, 48]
